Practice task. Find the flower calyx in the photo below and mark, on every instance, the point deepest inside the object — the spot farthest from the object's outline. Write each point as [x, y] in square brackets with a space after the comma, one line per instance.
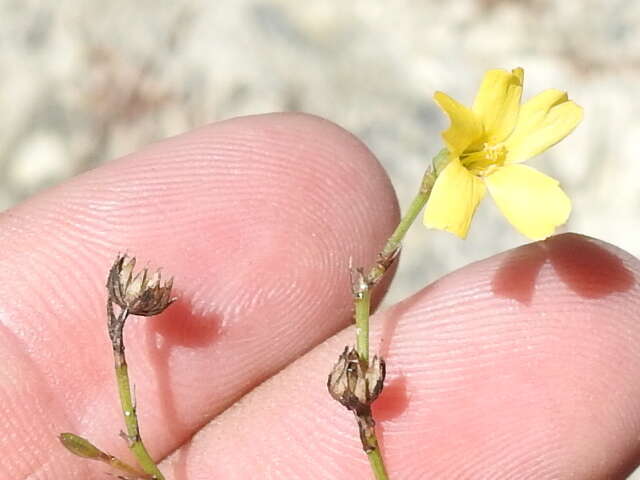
[353, 383]
[140, 294]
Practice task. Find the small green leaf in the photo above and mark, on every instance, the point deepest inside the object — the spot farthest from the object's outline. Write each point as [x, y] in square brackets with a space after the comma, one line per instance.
[81, 447]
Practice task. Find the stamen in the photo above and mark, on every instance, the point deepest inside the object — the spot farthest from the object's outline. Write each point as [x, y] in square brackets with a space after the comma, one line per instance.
[485, 161]
[495, 153]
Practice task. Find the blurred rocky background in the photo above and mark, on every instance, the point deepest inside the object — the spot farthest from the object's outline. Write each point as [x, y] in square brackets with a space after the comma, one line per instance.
[85, 81]
[82, 82]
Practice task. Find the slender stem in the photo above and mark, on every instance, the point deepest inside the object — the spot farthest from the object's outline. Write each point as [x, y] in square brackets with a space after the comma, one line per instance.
[362, 300]
[126, 468]
[377, 464]
[366, 425]
[126, 401]
[410, 215]
[392, 245]
[131, 420]
[363, 306]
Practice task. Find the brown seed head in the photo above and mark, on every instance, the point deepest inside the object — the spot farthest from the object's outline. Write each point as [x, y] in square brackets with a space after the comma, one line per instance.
[354, 384]
[141, 294]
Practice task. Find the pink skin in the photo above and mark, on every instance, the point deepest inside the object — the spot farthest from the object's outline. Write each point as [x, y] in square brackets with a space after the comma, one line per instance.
[519, 366]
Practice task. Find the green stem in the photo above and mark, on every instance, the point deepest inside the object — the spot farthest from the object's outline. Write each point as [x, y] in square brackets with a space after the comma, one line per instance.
[377, 464]
[392, 245]
[362, 299]
[411, 214]
[363, 307]
[120, 465]
[129, 409]
[366, 425]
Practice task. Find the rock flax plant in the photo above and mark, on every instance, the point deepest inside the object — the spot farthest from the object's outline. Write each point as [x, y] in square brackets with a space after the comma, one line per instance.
[484, 148]
[131, 293]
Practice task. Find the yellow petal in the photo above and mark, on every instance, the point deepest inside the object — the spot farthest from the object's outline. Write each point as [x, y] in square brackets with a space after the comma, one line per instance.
[544, 120]
[465, 129]
[533, 203]
[454, 199]
[498, 101]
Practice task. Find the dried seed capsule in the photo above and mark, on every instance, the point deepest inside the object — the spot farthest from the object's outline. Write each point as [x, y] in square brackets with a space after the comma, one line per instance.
[140, 294]
[354, 384]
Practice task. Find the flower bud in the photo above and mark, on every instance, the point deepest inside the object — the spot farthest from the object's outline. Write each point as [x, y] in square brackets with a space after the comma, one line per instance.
[81, 447]
[354, 384]
[141, 294]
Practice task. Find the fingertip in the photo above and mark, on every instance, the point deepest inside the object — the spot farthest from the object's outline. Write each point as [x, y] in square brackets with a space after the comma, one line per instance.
[536, 344]
[255, 218]
[480, 383]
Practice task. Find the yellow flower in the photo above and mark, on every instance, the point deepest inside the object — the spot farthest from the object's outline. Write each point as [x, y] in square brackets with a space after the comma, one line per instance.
[486, 145]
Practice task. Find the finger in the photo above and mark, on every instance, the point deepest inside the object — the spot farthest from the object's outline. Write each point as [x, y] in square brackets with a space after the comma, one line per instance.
[256, 218]
[519, 366]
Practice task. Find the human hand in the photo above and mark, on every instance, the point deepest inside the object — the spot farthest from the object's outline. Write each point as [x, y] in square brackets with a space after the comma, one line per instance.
[519, 366]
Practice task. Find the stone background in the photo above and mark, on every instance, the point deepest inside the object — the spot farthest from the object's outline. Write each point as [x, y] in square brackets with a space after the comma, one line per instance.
[82, 82]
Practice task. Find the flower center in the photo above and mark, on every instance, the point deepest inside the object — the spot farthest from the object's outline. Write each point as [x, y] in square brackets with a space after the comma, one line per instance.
[485, 161]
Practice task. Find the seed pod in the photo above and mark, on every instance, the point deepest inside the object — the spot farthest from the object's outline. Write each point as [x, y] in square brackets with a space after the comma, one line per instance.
[141, 294]
[354, 384]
